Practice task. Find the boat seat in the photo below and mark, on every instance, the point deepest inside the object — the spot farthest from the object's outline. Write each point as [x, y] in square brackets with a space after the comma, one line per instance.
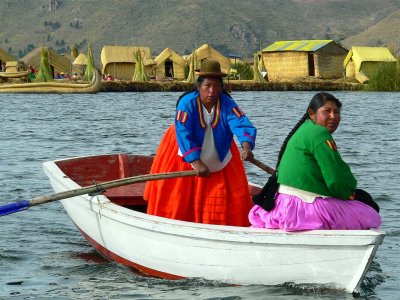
[128, 195]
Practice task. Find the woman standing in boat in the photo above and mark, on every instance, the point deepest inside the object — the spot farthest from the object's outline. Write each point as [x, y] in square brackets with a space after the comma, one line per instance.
[315, 187]
[202, 139]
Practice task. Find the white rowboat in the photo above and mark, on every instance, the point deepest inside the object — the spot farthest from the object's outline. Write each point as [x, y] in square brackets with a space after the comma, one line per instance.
[115, 223]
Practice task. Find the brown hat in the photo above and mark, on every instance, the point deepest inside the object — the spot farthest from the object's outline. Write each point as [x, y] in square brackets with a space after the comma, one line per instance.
[210, 68]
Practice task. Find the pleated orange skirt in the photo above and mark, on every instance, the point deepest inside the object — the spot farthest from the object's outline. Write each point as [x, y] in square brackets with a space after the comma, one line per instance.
[222, 198]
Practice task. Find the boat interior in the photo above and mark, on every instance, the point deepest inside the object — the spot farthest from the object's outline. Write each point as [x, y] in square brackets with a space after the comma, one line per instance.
[91, 170]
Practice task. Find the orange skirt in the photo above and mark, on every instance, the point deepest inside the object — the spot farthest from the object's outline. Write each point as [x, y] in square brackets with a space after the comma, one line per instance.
[222, 198]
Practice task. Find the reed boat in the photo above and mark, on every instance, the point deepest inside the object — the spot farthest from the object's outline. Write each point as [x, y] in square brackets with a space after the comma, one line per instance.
[54, 87]
[115, 223]
[18, 74]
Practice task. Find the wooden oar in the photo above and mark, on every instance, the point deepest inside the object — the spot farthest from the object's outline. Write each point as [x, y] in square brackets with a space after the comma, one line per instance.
[262, 166]
[25, 204]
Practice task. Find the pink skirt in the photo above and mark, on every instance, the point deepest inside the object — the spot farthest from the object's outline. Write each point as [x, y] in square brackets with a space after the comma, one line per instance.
[292, 214]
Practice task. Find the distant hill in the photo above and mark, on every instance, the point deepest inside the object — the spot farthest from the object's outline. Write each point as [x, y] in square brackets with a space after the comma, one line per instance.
[231, 26]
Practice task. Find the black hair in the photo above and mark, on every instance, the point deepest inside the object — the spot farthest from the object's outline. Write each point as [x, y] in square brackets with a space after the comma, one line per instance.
[266, 198]
[316, 102]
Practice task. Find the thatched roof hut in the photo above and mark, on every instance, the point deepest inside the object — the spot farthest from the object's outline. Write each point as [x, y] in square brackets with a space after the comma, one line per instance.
[5, 56]
[170, 65]
[13, 66]
[80, 60]
[207, 51]
[119, 61]
[303, 58]
[362, 62]
[58, 63]
[79, 63]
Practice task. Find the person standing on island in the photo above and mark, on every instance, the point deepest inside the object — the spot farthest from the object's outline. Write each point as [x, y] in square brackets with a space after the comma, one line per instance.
[202, 139]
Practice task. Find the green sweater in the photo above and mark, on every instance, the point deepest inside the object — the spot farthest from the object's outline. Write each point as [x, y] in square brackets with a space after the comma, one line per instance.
[312, 163]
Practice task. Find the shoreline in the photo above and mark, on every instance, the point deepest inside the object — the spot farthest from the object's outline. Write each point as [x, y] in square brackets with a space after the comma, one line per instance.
[233, 85]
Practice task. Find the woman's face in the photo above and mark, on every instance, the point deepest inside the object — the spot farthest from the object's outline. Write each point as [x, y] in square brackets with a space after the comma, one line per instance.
[327, 115]
[210, 90]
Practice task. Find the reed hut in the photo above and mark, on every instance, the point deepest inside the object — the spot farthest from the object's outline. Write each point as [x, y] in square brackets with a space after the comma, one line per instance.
[169, 64]
[80, 63]
[304, 58]
[5, 57]
[362, 62]
[58, 63]
[13, 66]
[119, 61]
[206, 51]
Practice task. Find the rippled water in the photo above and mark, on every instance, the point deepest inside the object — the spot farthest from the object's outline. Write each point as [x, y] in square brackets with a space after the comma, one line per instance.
[43, 256]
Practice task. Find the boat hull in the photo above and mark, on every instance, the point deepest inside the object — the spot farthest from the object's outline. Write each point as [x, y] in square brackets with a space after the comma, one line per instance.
[53, 87]
[235, 255]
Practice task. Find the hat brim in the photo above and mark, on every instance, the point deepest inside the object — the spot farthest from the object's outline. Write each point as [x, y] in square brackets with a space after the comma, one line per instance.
[210, 74]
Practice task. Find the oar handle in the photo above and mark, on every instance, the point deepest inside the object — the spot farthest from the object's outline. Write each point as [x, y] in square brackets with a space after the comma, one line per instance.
[107, 185]
[22, 205]
[262, 166]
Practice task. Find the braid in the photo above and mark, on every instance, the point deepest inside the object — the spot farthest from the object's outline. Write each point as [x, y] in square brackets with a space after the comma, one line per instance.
[294, 129]
[184, 94]
[266, 198]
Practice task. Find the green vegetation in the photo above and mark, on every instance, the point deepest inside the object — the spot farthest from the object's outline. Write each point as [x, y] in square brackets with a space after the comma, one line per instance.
[140, 73]
[90, 66]
[244, 71]
[53, 26]
[386, 78]
[44, 74]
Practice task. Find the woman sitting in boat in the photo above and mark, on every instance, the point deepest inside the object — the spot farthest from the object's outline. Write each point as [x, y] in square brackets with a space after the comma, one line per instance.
[315, 187]
[202, 139]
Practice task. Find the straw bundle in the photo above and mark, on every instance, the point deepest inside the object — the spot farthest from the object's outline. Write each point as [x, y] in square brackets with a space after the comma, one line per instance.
[192, 66]
[257, 74]
[44, 74]
[140, 72]
[90, 67]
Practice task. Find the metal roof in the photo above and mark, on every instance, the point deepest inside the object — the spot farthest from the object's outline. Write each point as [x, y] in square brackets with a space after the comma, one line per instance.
[360, 54]
[302, 46]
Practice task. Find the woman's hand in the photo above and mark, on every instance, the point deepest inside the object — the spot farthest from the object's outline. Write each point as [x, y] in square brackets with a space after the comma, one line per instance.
[246, 154]
[201, 168]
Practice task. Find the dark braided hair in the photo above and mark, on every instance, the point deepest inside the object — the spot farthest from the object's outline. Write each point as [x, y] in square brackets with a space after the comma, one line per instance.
[266, 199]
[316, 102]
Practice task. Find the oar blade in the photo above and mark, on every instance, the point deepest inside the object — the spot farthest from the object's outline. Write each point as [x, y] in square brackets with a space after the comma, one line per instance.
[13, 207]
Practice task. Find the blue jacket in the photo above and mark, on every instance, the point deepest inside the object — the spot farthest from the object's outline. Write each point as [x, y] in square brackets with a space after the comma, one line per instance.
[228, 120]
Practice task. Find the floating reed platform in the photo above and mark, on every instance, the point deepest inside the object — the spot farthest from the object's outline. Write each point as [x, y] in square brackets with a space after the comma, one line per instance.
[233, 85]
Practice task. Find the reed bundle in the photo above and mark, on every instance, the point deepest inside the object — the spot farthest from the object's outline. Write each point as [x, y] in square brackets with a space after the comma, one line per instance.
[90, 66]
[257, 74]
[44, 73]
[192, 67]
[140, 72]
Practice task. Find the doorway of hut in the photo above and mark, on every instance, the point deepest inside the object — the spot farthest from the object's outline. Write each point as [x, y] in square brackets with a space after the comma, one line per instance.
[311, 66]
[169, 69]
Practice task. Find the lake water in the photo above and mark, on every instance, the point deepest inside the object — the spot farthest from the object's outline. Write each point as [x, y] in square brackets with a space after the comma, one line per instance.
[42, 254]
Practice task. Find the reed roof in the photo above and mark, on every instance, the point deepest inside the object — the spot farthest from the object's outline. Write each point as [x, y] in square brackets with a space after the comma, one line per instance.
[207, 51]
[362, 54]
[116, 54]
[80, 60]
[168, 53]
[60, 62]
[5, 56]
